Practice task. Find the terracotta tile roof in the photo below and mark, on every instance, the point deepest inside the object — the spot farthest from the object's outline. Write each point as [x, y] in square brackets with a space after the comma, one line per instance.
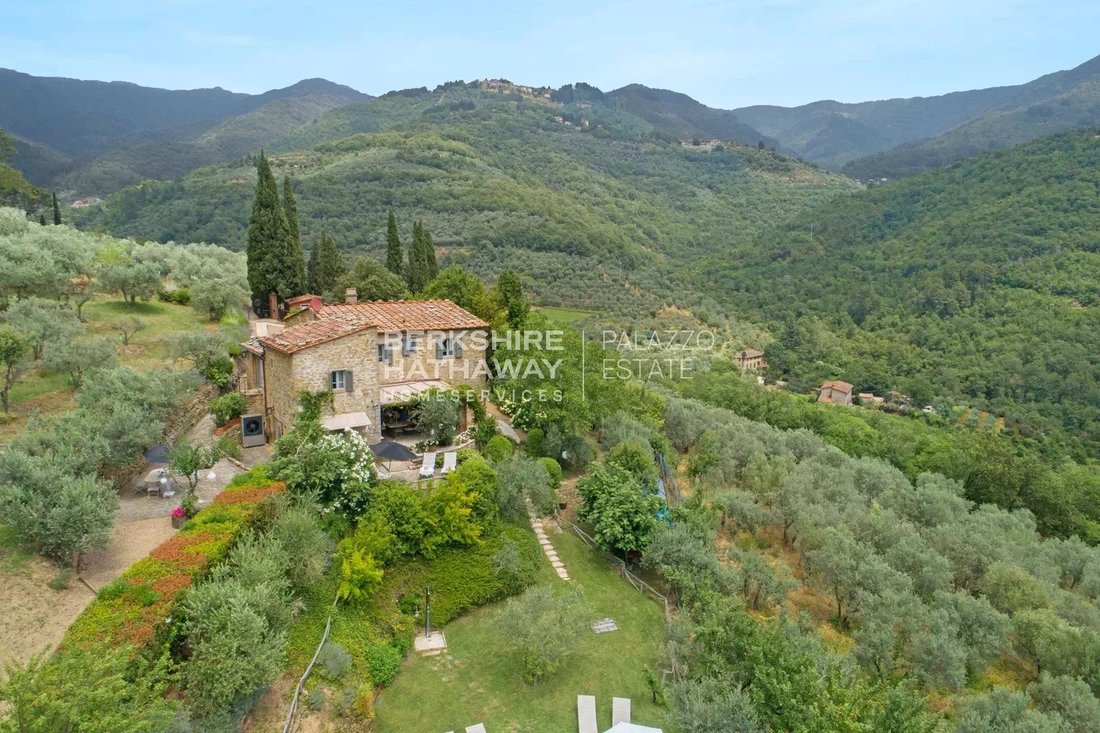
[298, 299]
[310, 334]
[750, 353]
[837, 385]
[404, 315]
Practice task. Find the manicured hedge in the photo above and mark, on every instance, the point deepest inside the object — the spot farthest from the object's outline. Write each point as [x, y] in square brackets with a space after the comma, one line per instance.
[130, 609]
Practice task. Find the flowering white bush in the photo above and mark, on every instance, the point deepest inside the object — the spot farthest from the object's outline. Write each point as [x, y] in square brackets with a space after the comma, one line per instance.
[338, 469]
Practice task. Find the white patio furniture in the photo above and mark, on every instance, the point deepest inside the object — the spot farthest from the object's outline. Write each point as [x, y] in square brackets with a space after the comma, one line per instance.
[586, 714]
[427, 468]
[620, 710]
[450, 463]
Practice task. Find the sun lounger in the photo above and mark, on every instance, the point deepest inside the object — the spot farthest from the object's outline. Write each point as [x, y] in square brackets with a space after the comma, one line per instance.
[620, 710]
[479, 728]
[427, 468]
[586, 714]
[450, 463]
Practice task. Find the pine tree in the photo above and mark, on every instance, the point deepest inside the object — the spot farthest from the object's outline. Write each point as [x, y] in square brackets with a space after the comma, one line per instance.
[56, 209]
[268, 237]
[296, 259]
[394, 252]
[330, 265]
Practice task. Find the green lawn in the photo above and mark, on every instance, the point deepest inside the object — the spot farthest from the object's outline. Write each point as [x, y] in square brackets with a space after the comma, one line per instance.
[479, 678]
[563, 316]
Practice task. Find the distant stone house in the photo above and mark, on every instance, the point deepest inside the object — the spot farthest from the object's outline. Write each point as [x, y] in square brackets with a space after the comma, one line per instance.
[835, 392]
[750, 359]
[374, 357]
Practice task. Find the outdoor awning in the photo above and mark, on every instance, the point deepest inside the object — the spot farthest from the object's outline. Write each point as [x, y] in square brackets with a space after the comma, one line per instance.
[345, 420]
[392, 394]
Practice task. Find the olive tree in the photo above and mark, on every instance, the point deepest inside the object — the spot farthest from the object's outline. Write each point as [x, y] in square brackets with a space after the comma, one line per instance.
[545, 625]
[14, 348]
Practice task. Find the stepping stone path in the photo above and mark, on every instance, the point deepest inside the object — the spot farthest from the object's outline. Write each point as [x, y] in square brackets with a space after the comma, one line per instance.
[547, 547]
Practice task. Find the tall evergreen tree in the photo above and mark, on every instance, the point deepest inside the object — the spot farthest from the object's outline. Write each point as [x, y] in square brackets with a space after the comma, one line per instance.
[312, 283]
[430, 261]
[394, 251]
[268, 238]
[56, 209]
[296, 258]
[422, 266]
[330, 267]
[511, 298]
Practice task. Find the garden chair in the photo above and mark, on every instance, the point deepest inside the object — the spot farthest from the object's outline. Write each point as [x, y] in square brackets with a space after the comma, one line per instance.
[450, 463]
[586, 714]
[479, 728]
[427, 468]
[620, 710]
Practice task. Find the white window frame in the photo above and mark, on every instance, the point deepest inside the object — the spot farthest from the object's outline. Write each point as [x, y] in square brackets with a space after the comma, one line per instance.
[338, 380]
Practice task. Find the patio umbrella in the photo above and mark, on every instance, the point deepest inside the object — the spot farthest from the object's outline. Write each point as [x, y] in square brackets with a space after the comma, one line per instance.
[157, 454]
[390, 450]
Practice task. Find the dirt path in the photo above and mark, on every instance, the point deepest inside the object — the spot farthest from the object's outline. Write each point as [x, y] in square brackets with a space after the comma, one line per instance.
[33, 616]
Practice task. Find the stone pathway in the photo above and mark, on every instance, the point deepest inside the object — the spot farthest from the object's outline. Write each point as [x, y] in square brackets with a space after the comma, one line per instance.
[547, 547]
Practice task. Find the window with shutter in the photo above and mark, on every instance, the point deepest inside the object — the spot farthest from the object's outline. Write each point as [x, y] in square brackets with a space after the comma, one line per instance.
[408, 344]
[445, 349]
[338, 380]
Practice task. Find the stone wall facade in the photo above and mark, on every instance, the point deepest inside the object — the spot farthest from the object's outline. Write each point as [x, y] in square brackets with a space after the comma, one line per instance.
[288, 375]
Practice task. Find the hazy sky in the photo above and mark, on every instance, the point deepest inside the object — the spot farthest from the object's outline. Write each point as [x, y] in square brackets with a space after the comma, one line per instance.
[724, 54]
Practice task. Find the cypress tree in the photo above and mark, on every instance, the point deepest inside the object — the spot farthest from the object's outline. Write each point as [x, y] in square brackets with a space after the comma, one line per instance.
[312, 267]
[56, 209]
[330, 265]
[42, 219]
[268, 237]
[430, 262]
[394, 253]
[417, 266]
[296, 259]
[510, 296]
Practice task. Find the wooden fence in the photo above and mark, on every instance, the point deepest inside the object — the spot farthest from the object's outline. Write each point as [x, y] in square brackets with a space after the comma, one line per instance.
[639, 584]
[302, 681]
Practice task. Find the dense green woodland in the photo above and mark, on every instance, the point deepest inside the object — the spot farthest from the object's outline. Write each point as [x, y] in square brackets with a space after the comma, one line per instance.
[500, 184]
[973, 285]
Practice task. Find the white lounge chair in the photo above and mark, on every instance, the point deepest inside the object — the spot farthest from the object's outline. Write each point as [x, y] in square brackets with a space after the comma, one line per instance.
[479, 728]
[620, 710]
[427, 468]
[586, 714]
[450, 463]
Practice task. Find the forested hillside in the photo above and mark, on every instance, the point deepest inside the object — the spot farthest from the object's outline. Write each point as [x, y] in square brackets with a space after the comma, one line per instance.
[972, 285]
[576, 191]
[1003, 128]
[970, 122]
[66, 125]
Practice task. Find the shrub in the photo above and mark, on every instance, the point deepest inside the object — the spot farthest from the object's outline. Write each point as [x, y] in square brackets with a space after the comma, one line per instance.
[384, 663]
[227, 407]
[498, 449]
[333, 661]
[553, 470]
[123, 613]
[545, 626]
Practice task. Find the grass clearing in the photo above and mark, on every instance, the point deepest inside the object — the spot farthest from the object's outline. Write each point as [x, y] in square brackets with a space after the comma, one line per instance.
[479, 678]
[564, 316]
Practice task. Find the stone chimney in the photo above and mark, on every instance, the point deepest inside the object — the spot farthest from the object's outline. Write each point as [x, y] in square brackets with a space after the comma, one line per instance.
[351, 295]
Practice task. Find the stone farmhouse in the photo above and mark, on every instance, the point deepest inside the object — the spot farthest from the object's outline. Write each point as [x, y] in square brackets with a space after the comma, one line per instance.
[835, 392]
[750, 359]
[375, 357]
